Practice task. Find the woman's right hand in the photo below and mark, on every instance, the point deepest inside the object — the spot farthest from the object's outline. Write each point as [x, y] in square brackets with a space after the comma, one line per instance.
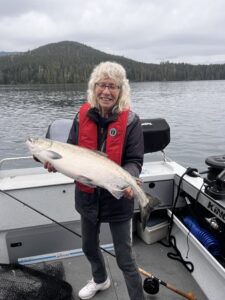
[49, 167]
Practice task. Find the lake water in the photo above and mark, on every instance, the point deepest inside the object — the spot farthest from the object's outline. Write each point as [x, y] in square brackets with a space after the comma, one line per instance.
[195, 111]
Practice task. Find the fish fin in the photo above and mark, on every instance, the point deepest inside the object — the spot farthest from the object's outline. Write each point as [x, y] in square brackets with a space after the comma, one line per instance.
[119, 193]
[153, 200]
[52, 154]
[147, 209]
[139, 181]
[87, 181]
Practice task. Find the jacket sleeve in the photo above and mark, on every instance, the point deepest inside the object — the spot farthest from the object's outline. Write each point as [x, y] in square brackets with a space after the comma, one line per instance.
[133, 155]
[73, 134]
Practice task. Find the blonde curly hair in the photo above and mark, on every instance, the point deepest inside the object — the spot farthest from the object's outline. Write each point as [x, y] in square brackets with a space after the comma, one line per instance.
[116, 72]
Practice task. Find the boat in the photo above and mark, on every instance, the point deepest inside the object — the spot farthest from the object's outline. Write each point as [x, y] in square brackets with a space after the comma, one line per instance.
[180, 253]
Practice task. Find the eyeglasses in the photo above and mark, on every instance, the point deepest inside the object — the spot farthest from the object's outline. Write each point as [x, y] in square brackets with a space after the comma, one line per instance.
[112, 87]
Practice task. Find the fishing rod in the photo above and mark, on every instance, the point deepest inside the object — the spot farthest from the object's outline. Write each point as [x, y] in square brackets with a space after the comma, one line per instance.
[151, 283]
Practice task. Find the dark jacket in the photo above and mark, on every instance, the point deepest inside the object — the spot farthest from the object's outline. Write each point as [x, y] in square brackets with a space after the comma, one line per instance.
[101, 205]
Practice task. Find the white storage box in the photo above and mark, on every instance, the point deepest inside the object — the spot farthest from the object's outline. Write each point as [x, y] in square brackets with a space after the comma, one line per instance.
[155, 230]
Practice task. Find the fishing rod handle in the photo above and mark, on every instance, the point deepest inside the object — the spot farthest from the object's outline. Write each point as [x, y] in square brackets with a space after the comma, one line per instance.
[189, 296]
[145, 273]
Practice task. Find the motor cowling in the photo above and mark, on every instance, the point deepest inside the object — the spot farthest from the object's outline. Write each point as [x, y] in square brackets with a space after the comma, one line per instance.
[156, 134]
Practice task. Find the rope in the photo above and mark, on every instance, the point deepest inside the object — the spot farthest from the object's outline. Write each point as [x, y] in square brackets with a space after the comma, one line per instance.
[171, 239]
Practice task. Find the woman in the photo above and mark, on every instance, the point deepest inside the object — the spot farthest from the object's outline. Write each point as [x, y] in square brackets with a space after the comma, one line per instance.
[107, 124]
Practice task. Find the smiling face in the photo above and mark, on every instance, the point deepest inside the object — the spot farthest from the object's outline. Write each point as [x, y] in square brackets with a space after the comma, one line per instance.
[107, 94]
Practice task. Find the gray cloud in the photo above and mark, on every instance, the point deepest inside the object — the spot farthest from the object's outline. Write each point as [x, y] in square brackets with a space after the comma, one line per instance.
[144, 30]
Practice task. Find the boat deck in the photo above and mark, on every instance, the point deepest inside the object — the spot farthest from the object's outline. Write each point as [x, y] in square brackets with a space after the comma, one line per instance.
[153, 258]
[54, 195]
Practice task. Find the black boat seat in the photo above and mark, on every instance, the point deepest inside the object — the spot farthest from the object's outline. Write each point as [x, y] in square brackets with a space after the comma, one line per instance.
[156, 133]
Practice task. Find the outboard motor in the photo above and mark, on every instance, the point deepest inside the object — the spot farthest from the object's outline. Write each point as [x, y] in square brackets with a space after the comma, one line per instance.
[156, 134]
[216, 177]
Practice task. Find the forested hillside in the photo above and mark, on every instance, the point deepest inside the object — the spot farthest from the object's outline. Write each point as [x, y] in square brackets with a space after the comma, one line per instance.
[72, 62]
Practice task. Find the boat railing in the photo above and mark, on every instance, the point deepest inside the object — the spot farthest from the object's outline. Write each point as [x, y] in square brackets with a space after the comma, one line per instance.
[157, 156]
[14, 166]
[13, 159]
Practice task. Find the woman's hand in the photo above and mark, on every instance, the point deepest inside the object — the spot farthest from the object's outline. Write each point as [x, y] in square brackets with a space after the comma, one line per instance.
[129, 193]
[49, 166]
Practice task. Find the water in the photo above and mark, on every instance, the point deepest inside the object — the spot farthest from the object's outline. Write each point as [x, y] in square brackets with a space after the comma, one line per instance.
[195, 111]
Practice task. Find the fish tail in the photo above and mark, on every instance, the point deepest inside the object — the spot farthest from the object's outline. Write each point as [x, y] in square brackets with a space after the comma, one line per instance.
[147, 209]
[145, 214]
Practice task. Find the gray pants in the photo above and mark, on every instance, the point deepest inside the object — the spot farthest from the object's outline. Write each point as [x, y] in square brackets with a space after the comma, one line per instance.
[123, 249]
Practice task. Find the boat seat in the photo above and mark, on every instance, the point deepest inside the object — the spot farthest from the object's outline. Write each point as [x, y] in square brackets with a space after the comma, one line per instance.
[59, 130]
[156, 133]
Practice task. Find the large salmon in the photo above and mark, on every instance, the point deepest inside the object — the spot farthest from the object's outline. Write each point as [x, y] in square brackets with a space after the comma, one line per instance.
[93, 169]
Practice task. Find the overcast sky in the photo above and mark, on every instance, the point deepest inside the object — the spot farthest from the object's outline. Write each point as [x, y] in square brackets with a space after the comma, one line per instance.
[190, 31]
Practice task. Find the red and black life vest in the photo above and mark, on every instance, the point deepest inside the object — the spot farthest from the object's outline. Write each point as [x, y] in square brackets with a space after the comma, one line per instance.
[88, 136]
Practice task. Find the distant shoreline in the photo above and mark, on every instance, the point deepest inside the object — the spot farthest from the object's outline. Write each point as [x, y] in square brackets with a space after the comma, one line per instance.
[72, 62]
